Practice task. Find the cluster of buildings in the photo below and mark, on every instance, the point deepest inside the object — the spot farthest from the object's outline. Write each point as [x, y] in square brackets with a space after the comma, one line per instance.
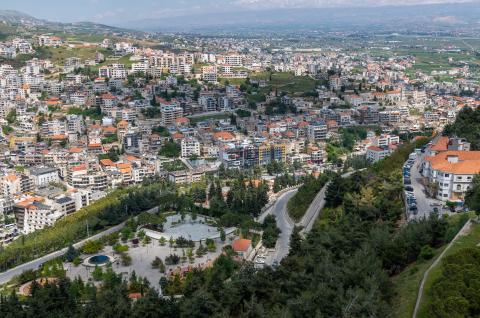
[143, 112]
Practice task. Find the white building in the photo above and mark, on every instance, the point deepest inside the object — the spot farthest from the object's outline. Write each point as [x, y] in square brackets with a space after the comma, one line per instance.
[190, 146]
[42, 176]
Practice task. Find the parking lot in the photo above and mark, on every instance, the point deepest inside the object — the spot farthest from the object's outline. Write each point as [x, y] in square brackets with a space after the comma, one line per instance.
[418, 203]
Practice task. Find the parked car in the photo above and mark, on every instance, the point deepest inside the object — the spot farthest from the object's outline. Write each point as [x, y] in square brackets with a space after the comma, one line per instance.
[407, 181]
[409, 188]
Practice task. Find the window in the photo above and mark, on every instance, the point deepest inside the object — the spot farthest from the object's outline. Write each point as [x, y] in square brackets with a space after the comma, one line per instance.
[445, 195]
[459, 187]
[447, 175]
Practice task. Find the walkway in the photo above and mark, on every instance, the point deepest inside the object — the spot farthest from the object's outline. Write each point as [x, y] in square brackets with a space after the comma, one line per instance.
[460, 233]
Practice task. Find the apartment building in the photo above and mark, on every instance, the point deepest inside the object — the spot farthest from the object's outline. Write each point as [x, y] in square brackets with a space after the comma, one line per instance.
[450, 167]
[169, 113]
[317, 131]
[190, 146]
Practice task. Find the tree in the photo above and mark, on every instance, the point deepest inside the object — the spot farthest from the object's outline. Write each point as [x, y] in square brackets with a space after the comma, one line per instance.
[472, 198]
[222, 235]
[97, 273]
[171, 149]
[71, 253]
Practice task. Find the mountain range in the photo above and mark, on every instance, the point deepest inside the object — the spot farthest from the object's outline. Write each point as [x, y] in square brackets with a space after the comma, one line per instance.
[432, 16]
[412, 18]
[11, 20]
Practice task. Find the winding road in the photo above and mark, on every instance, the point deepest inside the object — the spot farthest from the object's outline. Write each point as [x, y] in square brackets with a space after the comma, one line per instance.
[286, 224]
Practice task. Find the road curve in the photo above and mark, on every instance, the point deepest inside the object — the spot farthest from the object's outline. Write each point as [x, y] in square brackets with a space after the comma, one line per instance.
[284, 223]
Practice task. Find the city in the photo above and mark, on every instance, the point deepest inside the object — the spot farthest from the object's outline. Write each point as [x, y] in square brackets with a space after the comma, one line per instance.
[195, 170]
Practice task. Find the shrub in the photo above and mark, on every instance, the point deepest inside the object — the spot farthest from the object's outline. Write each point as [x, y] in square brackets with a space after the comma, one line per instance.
[92, 247]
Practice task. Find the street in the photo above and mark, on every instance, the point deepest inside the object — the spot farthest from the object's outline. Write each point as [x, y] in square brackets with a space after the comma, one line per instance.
[285, 224]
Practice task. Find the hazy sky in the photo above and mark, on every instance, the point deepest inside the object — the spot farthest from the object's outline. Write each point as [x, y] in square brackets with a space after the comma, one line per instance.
[118, 11]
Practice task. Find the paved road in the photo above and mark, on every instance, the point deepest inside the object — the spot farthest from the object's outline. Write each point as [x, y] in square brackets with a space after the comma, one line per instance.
[6, 276]
[423, 202]
[313, 210]
[316, 206]
[285, 224]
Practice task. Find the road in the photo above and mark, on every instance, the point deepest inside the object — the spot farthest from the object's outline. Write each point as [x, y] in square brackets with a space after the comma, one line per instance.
[313, 210]
[285, 224]
[6, 276]
[423, 201]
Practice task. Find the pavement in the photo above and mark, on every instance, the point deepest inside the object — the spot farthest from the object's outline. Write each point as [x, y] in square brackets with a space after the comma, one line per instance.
[6, 276]
[316, 206]
[142, 257]
[423, 201]
[285, 224]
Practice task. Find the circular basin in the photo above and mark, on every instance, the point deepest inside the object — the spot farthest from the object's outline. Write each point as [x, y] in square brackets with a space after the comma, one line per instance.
[98, 260]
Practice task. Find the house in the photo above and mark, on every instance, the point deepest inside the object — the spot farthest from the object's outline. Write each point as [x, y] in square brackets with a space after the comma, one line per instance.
[242, 247]
[375, 153]
[452, 172]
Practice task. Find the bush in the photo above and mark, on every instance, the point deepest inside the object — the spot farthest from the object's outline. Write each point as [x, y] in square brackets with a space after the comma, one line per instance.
[126, 259]
[97, 274]
[172, 259]
[426, 253]
[92, 247]
[119, 248]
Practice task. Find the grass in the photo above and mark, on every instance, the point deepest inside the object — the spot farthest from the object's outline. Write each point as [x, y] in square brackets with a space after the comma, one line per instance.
[61, 54]
[468, 241]
[406, 286]
[175, 165]
[287, 82]
[408, 281]
[194, 120]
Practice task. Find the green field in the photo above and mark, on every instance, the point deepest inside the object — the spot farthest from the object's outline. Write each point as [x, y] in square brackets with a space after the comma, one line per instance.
[195, 120]
[61, 54]
[287, 82]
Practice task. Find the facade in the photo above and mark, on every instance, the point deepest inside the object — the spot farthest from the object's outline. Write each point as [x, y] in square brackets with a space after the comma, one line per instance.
[42, 176]
[452, 172]
[169, 113]
[190, 146]
[375, 153]
[317, 131]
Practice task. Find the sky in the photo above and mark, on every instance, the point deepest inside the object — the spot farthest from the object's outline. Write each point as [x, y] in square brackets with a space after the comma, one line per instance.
[119, 11]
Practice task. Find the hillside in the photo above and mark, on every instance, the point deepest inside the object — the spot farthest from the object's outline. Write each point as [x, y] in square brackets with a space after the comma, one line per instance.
[14, 23]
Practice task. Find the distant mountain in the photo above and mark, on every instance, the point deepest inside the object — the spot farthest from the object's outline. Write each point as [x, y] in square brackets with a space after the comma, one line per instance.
[10, 20]
[15, 17]
[435, 16]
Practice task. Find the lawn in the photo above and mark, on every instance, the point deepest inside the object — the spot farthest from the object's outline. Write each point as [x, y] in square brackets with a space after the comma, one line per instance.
[195, 120]
[470, 240]
[287, 82]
